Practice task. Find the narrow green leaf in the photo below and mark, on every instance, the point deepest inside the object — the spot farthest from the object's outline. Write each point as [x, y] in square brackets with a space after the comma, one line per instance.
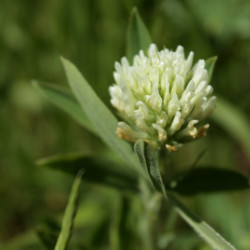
[68, 218]
[154, 168]
[97, 169]
[210, 63]
[63, 99]
[103, 120]
[138, 37]
[149, 160]
[208, 179]
[232, 120]
[213, 238]
[140, 150]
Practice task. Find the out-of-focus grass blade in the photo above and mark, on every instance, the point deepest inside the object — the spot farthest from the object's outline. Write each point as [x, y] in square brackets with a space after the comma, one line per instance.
[149, 160]
[210, 63]
[103, 120]
[63, 99]
[138, 37]
[213, 238]
[68, 218]
[97, 169]
[208, 179]
[232, 120]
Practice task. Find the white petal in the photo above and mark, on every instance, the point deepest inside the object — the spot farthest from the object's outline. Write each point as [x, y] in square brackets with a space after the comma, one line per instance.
[173, 106]
[177, 123]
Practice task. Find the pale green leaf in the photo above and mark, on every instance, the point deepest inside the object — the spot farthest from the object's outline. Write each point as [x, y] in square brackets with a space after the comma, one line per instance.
[138, 37]
[63, 99]
[69, 215]
[100, 116]
[213, 238]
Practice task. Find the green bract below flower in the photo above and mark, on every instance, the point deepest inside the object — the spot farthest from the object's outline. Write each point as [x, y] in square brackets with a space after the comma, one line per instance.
[162, 97]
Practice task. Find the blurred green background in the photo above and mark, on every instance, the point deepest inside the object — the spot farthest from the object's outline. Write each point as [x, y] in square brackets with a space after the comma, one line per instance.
[92, 34]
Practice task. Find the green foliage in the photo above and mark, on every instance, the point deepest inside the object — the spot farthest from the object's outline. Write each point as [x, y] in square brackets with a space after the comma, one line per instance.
[149, 160]
[210, 63]
[48, 233]
[234, 122]
[212, 237]
[138, 37]
[102, 119]
[69, 215]
[97, 169]
[66, 101]
[91, 34]
[208, 179]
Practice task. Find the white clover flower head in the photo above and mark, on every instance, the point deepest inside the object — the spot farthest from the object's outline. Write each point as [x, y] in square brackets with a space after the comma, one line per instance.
[162, 97]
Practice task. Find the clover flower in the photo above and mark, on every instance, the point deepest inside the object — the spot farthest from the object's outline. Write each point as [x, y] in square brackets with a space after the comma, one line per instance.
[162, 97]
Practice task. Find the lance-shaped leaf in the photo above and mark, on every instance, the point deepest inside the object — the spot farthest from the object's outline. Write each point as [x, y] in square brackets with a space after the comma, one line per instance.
[100, 116]
[69, 215]
[149, 160]
[208, 179]
[138, 37]
[97, 169]
[213, 238]
[63, 99]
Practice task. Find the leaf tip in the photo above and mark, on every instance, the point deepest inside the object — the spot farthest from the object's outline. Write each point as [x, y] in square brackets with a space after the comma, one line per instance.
[214, 58]
[80, 173]
[62, 58]
[64, 61]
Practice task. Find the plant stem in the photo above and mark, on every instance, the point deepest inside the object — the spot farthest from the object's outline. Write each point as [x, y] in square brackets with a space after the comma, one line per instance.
[151, 205]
